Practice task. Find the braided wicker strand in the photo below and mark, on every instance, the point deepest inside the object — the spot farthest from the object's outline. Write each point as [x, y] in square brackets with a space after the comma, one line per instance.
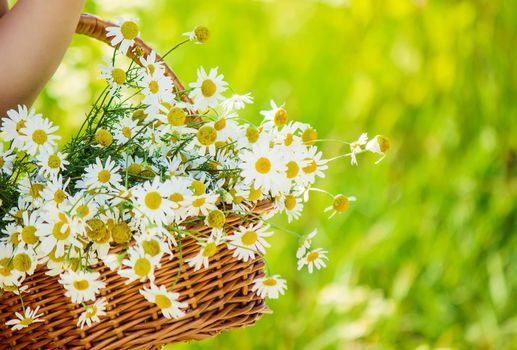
[219, 298]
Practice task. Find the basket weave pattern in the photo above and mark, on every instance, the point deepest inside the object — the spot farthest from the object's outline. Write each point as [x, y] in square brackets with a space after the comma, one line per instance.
[219, 298]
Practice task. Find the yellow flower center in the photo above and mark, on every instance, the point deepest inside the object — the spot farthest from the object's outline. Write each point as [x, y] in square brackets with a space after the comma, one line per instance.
[340, 203]
[54, 162]
[176, 116]
[153, 200]
[151, 247]
[202, 34]
[129, 30]
[249, 238]
[290, 202]
[103, 137]
[252, 134]
[270, 282]
[313, 256]
[26, 321]
[22, 262]
[139, 114]
[5, 267]
[288, 140]
[220, 124]
[199, 187]
[104, 176]
[92, 311]
[2, 161]
[142, 267]
[29, 235]
[198, 202]
[206, 135]
[162, 301]
[59, 233]
[121, 232]
[208, 88]
[39, 136]
[35, 190]
[118, 75]
[20, 125]
[176, 197]
[263, 165]
[126, 132]
[311, 167]
[280, 117]
[82, 211]
[15, 238]
[216, 219]
[210, 249]
[154, 87]
[81, 284]
[309, 136]
[292, 169]
[134, 169]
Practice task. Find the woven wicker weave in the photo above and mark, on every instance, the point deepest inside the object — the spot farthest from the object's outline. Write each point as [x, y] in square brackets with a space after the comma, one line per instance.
[219, 297]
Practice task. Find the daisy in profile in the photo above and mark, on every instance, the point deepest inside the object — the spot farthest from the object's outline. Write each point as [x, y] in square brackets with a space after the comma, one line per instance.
[115, 76]
[14, 123]
[125, 130]
[25, 320]
[237, 102]
[356, 147]
[151, 200]
[207, 89]
[101, 176]
[306, 244]
[51, 163]
[263, 166]
[340, 204]
[208, 248]
[166, 301]
[314, 258]
[140, 266]
[38, 135]
[276, 116]
[81, 285]
[6, 160]
[124, 34]
[270, 287]
[248, 241]
[92, 313]
[199, 35]
[379, 144]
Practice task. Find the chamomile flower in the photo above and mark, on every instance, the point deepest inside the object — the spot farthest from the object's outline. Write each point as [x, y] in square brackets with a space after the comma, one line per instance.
[306, 244]
[140, 266]
[340, 204]
[357, 147]
[56, 234]
[124, 34]
[6, 160]
[314, 165]
[125, 130]
[115, 76]
[276, 116]
[101, 176]
[51, 163]
[14, 123]
[379, 144]
[81, 286]
[92, 313]
[314, 258]
[55, 193]
[270, 287]
[151, 200]
[292, 206]
[248, 241]
[30, 228]
[208, 248]
[207, 89]
[201, 204]
[152, 64]
[24, 260]
[38, 135]
[237, 102]
[26, 319]
[199, 35]
[156, 88]
[166, 301]
[8, 274]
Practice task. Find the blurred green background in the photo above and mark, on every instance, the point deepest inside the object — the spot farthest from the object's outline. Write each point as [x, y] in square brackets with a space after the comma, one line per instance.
[426, 258]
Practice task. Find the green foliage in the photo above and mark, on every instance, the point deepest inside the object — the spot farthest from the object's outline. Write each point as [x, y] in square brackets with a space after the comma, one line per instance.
[426, 257]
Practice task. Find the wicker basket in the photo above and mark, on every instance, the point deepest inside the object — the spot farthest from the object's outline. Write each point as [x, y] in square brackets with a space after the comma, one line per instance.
[219, 297]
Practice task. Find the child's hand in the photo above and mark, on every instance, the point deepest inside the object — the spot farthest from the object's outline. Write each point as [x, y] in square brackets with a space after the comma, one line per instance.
[34, 36]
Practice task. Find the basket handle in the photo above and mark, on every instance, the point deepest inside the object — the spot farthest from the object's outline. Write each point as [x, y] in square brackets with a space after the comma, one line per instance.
[95, 27]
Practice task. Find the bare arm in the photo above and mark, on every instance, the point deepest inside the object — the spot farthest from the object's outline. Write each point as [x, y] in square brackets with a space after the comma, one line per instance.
[34, 36]
[3, 7]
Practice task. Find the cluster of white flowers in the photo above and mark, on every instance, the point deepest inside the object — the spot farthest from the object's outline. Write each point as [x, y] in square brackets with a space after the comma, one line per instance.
[141, 168]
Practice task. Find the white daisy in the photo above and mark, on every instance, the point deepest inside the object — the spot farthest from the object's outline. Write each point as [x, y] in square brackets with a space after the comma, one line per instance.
[151, 200]
[56, 234]
[124, 34]
[200, 205]
[14, 123]
[6, 160]
[156, 88]
[208, 248]
[30, 228]
[26, 319]
[276, 116]
[314, 258]
[38, 136]
[81, 285]
[8, 275]
[24, 260]
[314, 165]
[51, 163]
[379, 144]
[207, 89]
[101, 176]
[92, 313]
[140, 266]
[292, 206]
[357, 147]
[124, 130]
[270, 287]
[55, 192]
[249, 240]
[166, 301]
[237, 102]
[115, 76]
[340, 204]
[199, 35]
[151, 64]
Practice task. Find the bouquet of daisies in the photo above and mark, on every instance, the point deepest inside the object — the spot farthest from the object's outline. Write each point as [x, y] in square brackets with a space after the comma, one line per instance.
[149, 162]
